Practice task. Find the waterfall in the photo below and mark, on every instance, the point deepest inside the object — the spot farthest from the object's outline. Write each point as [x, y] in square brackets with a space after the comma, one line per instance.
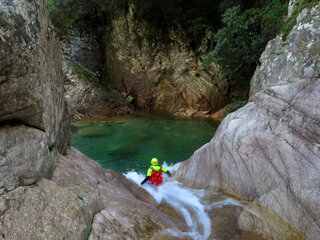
[184, 200]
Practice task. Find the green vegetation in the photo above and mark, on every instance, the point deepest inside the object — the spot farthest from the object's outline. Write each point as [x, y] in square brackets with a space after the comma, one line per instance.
[242, 39]
[299, 6]
[233, 106]
[88, 236]
[86, 75]
[80, 70]
[192, 15]
[91, 15]
[241, 28]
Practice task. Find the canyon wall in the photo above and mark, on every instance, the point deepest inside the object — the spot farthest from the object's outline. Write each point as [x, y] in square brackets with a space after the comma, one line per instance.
[268, 151]
[164, 76]
[83, 61]
[47, 189]
[33, 115]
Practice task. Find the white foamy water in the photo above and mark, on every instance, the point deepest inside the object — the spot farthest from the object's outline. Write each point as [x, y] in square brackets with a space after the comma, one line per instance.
[183, 200]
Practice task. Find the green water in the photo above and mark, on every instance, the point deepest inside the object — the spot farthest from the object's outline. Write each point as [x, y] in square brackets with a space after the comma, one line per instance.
[127, 143]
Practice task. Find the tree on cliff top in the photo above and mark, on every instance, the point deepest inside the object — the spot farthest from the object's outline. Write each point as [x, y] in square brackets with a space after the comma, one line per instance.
[92, 13]
[242, 28]
[242, 39]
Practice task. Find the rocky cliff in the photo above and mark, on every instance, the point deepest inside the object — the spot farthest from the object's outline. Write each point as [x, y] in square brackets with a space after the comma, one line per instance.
[268, 151]
[83, 61]
[44, 194]
[162, 76]
[30, 71]
[80, 200]
[33, 113]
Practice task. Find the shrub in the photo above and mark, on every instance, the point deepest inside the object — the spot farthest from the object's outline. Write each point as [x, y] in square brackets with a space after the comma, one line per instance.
[235, 105]
[242, 39]
[95, 13]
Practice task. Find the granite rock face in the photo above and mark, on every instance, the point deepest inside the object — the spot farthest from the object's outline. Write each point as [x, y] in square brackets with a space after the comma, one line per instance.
[83, 67]
[24, 155]
[291, 7]
[84, 49]
[31, 80]
[79, 191]
[162, 77]
[126, 212]
[46, 211]
[292, 60]
[269, 150]
[87, 98]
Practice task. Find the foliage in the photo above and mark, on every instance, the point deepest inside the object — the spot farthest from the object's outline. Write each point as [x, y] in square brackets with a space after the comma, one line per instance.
[88, 236]
[242, 31]
[192, 15]
[80, 70]
[291, 21]
[233, 106]
[243, 38]
[87, 75]
[207, 59]
[93, 13]
[226, 4]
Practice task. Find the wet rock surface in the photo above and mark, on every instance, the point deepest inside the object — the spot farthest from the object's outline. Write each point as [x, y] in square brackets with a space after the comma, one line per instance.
[79, 191]
[268, 151]
[225, 213]
[165, 78]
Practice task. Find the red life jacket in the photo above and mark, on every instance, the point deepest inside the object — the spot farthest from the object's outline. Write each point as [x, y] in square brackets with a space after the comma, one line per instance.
[156, 178]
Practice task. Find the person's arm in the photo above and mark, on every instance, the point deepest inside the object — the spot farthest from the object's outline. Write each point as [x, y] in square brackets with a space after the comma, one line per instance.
[147, 177]
[145, 180]
[166, 171]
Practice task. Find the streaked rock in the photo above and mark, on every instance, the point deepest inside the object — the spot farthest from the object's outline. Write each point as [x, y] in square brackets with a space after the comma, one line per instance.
[31, 80]
[162, 77]
[268, 151]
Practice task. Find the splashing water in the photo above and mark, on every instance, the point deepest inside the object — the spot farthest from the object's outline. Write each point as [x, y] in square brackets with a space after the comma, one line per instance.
[184, 200]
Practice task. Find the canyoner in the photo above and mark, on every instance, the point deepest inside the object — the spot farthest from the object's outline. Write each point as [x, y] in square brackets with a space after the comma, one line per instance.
[154, 173]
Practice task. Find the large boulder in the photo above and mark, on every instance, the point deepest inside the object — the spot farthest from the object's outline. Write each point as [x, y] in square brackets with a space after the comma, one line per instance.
[126, 212]
[24, 156]
[162, 77]
[79, 191]
[47, 211]
[31, 79]
[268, 151]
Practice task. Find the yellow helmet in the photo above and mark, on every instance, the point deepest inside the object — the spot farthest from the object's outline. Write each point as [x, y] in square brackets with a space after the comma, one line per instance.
[154, 162]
